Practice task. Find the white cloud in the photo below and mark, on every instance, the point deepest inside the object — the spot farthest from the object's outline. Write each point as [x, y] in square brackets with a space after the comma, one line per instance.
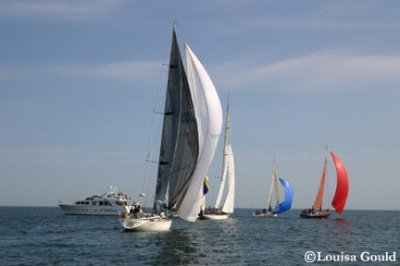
[66, 9]
[60, 156]
[331, 70]
[317, 71]
[30, 155]
[126, 70]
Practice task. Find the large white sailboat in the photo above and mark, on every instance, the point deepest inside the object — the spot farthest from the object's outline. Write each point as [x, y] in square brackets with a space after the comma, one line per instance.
[222, 209]
[191, 128]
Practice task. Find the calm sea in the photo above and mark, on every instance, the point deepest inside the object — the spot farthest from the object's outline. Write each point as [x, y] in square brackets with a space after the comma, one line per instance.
[45, 236]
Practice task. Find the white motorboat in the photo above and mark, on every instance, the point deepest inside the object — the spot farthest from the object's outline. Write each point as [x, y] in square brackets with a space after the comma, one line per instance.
[112, 202]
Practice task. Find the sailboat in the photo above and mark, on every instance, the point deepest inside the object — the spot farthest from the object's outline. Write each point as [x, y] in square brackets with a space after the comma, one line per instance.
[192, 124]
[278, 204]
[222, 209]
[340, 197]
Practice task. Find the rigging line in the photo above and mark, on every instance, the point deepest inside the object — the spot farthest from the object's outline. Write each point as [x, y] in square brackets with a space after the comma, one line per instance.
[153, 132]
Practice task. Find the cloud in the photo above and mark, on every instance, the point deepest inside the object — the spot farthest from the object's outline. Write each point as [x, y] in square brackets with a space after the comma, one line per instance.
[128, 69]
[30, 155]
[322, 71]
[125, 70]
[313, 72]
[59, 155]
[61, 9]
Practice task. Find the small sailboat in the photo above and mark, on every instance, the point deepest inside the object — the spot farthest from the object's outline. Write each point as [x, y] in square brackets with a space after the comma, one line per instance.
[340, 197]
[277, 204]
[191, 128]
[222, 209]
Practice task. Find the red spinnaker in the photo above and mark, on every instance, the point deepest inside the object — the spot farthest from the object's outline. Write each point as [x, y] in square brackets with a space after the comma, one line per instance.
[342, 186]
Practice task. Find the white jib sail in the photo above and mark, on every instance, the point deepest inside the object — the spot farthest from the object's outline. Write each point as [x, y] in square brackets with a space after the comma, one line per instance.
[208, 112]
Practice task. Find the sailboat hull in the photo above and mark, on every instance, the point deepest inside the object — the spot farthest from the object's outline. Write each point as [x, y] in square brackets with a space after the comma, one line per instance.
[265, 215]
[315, 215]
[214, 216]
[157, 224]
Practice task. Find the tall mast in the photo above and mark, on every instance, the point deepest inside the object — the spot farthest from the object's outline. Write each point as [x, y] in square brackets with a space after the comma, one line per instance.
[227, 141]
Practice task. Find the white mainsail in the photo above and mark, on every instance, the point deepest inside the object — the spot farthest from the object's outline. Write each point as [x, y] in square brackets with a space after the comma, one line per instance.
[228, 171]
[208, 113]
[230, 197]
[274, 191]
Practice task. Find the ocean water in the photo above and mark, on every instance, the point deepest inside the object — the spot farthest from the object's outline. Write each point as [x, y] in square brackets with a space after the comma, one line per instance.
[45, 236]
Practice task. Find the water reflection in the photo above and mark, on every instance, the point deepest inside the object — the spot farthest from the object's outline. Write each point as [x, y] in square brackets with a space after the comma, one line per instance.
[341, 220]
[341, 228]
[178, 247]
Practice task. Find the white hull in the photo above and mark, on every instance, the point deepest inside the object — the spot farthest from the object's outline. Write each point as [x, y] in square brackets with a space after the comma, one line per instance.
[152, 224]
[91, 210]
[215, 216]
[265, 215]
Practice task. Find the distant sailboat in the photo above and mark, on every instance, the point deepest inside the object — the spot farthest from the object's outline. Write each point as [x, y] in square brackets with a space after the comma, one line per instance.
[340, 197]
[191, 128]
[222, 209]
[278, 204]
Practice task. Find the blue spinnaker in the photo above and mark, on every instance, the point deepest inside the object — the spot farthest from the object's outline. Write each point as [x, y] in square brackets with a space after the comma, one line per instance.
[286, 204]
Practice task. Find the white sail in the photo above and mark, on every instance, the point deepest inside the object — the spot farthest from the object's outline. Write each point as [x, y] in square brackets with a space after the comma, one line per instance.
[230, 197]
[208, 113]
[218, 203]
[272, 189]
[275, 190]
[228, 170]
[278, 193]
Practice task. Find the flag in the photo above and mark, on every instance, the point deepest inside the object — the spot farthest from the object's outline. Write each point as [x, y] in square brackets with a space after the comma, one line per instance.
[206, 185]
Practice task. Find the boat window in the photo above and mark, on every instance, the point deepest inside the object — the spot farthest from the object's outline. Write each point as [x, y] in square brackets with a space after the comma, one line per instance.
[86, 202]
[100, 203]
[93, 203]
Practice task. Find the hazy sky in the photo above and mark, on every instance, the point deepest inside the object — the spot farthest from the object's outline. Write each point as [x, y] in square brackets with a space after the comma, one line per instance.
[79, 81]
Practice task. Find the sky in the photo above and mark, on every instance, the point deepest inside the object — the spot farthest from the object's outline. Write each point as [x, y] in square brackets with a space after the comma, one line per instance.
[82, 82]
